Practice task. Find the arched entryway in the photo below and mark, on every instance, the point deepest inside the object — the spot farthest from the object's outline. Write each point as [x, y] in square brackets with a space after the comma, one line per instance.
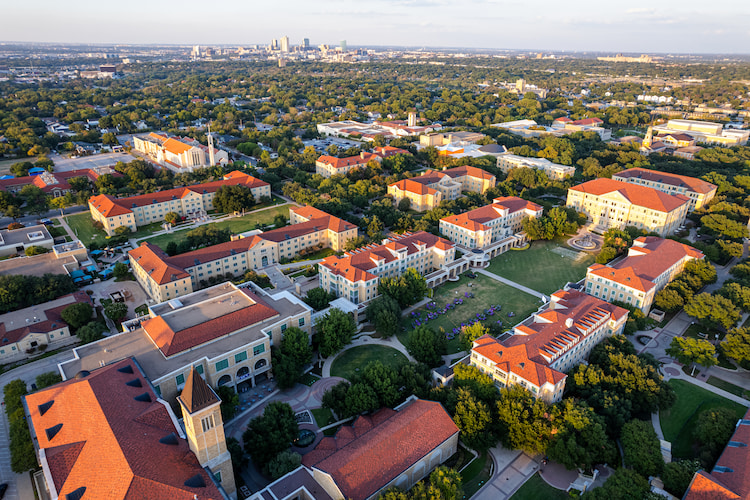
[244, 381]
[260, 364]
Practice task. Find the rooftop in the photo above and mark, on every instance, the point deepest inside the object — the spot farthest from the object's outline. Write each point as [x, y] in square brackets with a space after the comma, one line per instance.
[40, 318]
[636, 194]
[691, 183]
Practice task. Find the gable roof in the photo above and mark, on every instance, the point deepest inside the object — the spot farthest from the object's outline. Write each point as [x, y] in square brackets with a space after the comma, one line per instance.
[364, 458]
[48, 317]
[155, 262]
[691, 183]
[414, 186]
[475, 220]
[350, 161]
[108, 442]
[636, 194]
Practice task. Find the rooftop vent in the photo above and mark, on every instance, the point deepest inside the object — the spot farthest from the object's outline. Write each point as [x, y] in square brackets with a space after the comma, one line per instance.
[82, 374]
[52, 431]
[136, 382]
[195, 482]
[76, 494]
[126, 369]
[145, 397]
[170, 439]
[45, 406]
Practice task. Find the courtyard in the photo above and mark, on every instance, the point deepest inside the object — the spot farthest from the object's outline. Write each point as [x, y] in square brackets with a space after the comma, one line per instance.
[349, 362]
[545, 267]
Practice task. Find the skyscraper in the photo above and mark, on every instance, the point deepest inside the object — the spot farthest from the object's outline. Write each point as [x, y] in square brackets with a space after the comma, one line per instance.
[343, 45]
[285, 44]
[305, 43]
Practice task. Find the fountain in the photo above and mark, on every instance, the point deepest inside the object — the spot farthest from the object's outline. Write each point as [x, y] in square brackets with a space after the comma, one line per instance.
[584, 243]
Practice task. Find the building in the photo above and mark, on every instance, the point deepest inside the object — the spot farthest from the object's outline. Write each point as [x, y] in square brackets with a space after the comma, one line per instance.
[429, 189]
[704, 132]
[561, 127]
[54, 184]
[188, 201]
[225, 332]
[484, 226]
[285, 44]
[368, 131]
[179, 154]
[385, 449]
[698, 191]
[549, 343]
[554, 171]
[14, 241]
[107, 434]
[645, 59]
[728, 480]
[328, 166]
[584, 125]
[37, 328]
[609, 203]
[355, 275]
[450, 138]
[650, 265]
[165, 278]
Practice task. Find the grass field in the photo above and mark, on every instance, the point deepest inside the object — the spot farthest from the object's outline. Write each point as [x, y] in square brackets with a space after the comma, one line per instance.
[539, 268]
[678, 422]
[351, 361]
[5, 164]
[476, 474]
[487, 292]
[729, 387]
[84, 230]
[536, 488]
[235, 225]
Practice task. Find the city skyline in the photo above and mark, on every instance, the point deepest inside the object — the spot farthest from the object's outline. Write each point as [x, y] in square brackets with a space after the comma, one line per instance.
[585, 26]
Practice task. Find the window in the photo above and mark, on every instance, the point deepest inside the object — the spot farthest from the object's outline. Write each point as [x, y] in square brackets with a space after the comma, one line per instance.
[241, 356]
[222, 365]
[199, 369]
[259, 349]
[180, 379]
[302, 322]
[158, 390]
[217, 476]
[207, 423]
[283, 327]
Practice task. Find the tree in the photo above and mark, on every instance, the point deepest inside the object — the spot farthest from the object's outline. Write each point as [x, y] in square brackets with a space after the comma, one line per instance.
[335, 330]
[172, 217]
[426, 345]
[230, 401]
[375, 227]
[77, 315]
[116, 311]
[668, 300]
[283, 463]
[524, 422]
[35, 250]
[361, 398]
[290, 359]
[677, 476]
[271, 433]
[688, 351]
[472, 332]
[21, 169]
[90, 332]
[605, 255]
[279, 221]
[714, 310]
[171, 248]
[120, 270]
[624, 484]
[383, 380]
[641, 448]
[335, 399]
[35, 200]
[406, 289]
[239, 459]
[233, 198]
[721, 224]
[404, 205]
[384, 313]
[713, 430]
[445, 484]
[581, 441]
[47, 379]
[736, 345]
[318, 298]
[474, 420]
[15, 225]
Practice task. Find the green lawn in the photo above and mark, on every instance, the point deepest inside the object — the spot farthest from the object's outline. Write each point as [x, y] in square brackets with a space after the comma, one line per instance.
[320, 254]
[235, 225]
[476, 474]
[729, 387]
[678, 422]
[536, 488]
[539, 268]
[487, 292]
[84, 230]
[323, 416]
[349, 362]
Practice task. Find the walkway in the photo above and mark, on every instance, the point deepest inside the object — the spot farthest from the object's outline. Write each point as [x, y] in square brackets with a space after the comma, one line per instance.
[674, 371]
[512, 283]
[512, 469]
[366, 340]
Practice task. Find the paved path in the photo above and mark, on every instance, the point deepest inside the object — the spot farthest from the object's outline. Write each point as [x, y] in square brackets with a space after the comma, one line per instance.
[512, 283]
[366, 340]
[657, 425]
[512, 469]
[674, 371]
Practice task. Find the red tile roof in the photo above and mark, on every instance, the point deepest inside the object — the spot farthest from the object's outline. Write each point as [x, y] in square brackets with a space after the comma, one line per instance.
[518, 361]
[153, 260]
[475, 220]
[588, 121]
[350, 161]
[388, 151]
[414, 186]
[54, 320]
[175, 146]
[364, 458]
[706, 487]
[469, 171]
[691, 183]
[108, 442]
[641, 196]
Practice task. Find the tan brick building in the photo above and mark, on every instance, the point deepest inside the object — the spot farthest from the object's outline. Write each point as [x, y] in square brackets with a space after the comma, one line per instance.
[699, 191]
[426, 191]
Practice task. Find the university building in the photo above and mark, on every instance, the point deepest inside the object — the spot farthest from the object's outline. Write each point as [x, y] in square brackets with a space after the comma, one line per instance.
[481, 227]
[188, 201]
[106, 433]
[609, 203]
[426, 191]
[355, 275]
[164, 277]
[328, 166]
[548, 343]
[705, 132]
[650, 265]
[180, 154]
[698, 191]
[554, 171]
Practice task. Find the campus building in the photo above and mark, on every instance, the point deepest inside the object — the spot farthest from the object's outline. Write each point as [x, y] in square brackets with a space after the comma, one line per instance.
[328, 166]
[368, 131]
[704, 132]
[164, 277]
[554, 171]
[14, 241]
[548, 343]
[355, 275]
[584, 125]
[650, 265]
[426, 191]
[37, 328]
[106, 433]
[54, 184]
[188, 201]
[609, 203]
[224, 332]
[698, 191]
[481, 227]
[389, 448]
[179, 154]
[560, 128]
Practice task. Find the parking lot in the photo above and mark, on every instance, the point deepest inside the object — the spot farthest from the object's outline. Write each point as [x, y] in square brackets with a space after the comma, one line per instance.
[63, 164]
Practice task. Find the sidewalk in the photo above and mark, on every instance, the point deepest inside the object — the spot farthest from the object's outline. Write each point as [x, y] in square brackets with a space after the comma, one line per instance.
[512, 469]
[674, 371]
[511, 283]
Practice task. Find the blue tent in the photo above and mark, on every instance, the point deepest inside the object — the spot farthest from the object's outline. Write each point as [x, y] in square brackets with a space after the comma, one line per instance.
[106, 274]
[37, 170]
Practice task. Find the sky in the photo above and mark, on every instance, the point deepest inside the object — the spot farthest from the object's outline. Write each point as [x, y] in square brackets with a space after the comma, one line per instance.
[683, 26]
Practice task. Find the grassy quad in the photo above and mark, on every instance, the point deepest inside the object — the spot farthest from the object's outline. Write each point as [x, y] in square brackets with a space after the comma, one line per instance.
[678, 423]
[351, 361]
[536, 488]
[84, 229]
[539, 268]
[487, 292]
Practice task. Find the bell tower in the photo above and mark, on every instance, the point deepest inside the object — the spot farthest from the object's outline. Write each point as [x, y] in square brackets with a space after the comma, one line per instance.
[210, 147]
[205, 429]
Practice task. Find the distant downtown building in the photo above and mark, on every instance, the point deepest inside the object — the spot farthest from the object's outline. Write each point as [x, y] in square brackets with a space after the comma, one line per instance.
[164, 277]
[609, 204]
[554, 171]
[548, 344]
[481, 227]
[426, 191]
[179, 154]
[699, 191]
[355, 275]
[195, 200]
[650, 265]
